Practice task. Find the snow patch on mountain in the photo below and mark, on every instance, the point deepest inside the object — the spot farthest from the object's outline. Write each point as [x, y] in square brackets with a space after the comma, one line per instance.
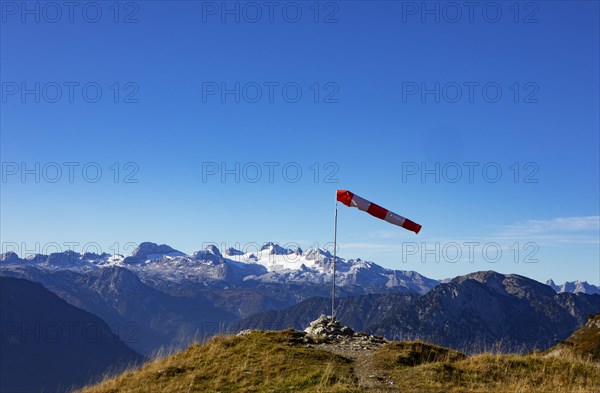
[271, 263]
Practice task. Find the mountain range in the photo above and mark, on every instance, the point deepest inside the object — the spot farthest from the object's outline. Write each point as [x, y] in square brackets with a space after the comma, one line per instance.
[488, 310]
[473, 313]
[271, 264]
[159, 297]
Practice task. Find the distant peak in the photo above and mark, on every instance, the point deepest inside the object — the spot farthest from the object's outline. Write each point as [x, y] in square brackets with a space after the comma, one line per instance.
[149, 247]
[8, 254]
[508, 283]
[212, 249]
[147, 244]
[211, 252]
[9, 257]
[93, 255]
[233, 252]
[148, 250]
[481, 276]
[552, 285]
[68, 257]
[317, 254]
[275, 249]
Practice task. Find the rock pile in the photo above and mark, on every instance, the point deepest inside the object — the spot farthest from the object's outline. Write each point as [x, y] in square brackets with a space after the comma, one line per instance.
[327, 327]
[329, 330]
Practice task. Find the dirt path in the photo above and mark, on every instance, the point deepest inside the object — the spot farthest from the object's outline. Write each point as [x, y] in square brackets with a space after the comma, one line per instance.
[361, 353]
[328, 334]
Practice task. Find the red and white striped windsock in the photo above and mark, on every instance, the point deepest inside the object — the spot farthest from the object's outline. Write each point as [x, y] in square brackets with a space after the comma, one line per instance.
[351, 200]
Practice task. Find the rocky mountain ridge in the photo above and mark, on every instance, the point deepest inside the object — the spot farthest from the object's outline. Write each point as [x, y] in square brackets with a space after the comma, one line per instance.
[269, 264]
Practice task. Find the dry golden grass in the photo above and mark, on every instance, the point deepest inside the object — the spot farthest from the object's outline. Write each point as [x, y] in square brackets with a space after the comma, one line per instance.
[256, 362]
[280, 362]
[413, 353]
[500, 373]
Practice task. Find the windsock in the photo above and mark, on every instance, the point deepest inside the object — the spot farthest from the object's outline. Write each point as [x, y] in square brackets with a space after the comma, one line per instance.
[352, 200]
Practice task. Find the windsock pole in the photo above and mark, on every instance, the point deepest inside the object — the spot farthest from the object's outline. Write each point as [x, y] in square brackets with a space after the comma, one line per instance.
[334, 260]
[350, 199]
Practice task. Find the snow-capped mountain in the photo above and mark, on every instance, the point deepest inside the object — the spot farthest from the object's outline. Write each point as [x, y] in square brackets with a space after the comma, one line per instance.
[170, 297]
[272, 263]
[574, 287]
[67, 260]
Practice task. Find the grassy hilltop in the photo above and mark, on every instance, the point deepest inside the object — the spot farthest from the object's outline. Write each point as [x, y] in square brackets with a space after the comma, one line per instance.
[584, 343]
[283, 362]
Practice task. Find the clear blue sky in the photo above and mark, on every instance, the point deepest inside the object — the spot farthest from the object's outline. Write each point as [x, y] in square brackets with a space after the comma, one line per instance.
[371, 129]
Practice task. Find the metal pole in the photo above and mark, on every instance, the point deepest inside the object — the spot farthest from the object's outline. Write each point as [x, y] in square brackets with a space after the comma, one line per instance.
[334, 260]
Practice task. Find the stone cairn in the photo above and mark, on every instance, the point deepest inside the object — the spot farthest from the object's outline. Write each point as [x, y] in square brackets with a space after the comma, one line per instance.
[326, 329]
